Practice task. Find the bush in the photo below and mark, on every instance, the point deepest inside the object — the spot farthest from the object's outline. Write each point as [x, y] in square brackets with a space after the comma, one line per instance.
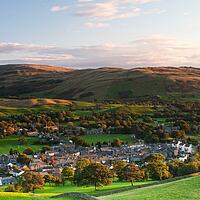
[13, 188]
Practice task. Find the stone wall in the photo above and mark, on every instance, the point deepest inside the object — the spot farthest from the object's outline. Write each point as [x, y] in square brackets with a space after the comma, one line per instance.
[76, 195]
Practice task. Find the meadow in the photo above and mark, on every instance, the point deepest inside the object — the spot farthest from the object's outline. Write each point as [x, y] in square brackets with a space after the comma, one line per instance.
[48, 191]
[179, 190]
[12, 142]
[183, 189]
[107, 138]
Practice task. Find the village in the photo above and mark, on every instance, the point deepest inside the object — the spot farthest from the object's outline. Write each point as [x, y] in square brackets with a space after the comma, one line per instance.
[153, 145]
[66, 153]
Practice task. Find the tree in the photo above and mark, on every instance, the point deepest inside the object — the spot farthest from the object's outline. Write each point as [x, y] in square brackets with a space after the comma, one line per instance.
[118, 166]
[117, 142]
[23, 140]
[96, 174]
[174, 167]
[82, 163]
[197, 154]
[189, 168]
[180, 134]
[31, 181]
[184, 126]
[79, 142]
[28, 151]
[157, 167]
[80, 166]
[67, 174]
[23, 159]
[48, 178]
[13, 152]
[131, 173]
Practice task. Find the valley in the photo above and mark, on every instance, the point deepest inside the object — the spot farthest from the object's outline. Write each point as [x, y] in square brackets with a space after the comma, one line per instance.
[49, 133]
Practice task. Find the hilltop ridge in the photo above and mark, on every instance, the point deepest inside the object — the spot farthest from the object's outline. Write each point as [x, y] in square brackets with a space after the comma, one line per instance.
[22, 80]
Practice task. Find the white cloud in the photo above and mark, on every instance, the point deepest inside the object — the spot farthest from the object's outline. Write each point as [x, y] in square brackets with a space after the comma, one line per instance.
[136, 1]
[151, 51]
[102, 10]
[32, 53]
[186, 13]
[54, 58]
[95, 25]
[58, 8]
[115, 9]
[11, 47]
[84, 1]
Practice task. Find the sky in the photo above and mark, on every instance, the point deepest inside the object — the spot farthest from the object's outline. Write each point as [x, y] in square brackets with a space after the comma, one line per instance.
[100, 33]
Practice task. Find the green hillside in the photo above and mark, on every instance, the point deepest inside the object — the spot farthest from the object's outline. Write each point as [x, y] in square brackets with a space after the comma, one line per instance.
[49, 191]
[180, 190]
[103, 83]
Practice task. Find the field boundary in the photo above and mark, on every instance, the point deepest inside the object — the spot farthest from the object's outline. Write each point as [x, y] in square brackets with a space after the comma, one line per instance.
[75, 195]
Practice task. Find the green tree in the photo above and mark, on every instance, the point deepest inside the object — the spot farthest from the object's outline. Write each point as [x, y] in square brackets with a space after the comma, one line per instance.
[67, 174]
[23, 140]
[28, 151]
[118, 166]
[31, 181]
[157, 167]
[96, 174]
[80, 166]
[131, 173]
[174, 167]
[117, 142]
[23, 159]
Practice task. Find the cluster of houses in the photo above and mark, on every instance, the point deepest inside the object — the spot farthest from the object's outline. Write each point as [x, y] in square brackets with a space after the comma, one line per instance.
[67, 154]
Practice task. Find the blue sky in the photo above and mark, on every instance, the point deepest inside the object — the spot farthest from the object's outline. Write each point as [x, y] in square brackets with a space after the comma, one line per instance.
[96, 33]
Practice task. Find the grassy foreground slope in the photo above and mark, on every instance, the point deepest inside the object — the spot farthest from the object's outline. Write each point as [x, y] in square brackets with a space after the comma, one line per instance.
[22, 196]
[48, 191]
[179, 190]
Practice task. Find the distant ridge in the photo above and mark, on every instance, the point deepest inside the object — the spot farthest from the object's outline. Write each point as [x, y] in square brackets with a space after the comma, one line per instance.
[28, 80]
[33, 68]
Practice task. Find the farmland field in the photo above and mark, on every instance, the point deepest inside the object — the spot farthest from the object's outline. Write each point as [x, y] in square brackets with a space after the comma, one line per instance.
[12, 142]
[107, 138]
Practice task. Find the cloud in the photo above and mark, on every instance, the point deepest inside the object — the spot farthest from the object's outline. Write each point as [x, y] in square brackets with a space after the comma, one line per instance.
[93, 25]
[32, 53]
[115, 9]
[58, 8]
[12, 47]
[54, 58]
[102, 10]
[84, 1]
[136, 1]
[186, 13]
[150, 51]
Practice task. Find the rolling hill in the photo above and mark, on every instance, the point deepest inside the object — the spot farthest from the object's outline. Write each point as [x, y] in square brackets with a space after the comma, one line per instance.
[181, 190]
[103, 83]
[29, 103]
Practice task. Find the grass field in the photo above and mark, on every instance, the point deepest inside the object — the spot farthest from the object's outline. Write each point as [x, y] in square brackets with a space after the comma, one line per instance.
[196, 137]
[50, 191]
[184, 189]
[55, 190]
[12, 142]
[107, 138]
[177, 190]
